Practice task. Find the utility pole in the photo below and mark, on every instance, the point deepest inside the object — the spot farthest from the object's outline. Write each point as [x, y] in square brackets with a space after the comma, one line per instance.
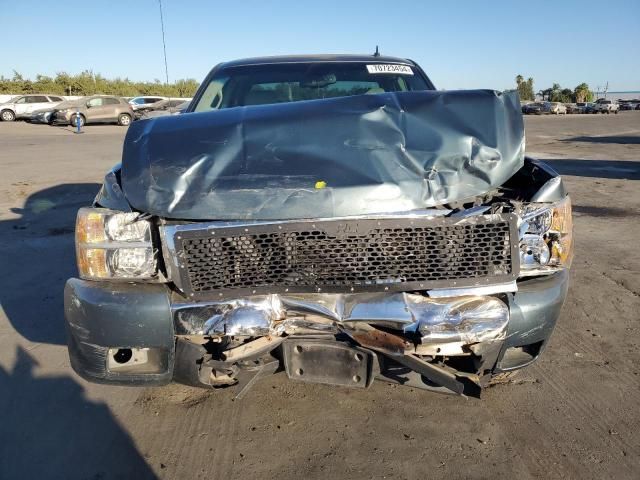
[164, 45]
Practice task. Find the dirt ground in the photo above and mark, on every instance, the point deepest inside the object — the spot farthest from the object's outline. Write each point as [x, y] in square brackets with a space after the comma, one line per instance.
[573, 414]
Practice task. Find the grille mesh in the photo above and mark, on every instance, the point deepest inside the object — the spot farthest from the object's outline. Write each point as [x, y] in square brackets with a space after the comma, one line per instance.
[303, 258]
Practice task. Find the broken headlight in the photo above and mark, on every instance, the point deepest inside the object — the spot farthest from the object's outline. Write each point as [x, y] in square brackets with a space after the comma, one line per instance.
[114, 245]
[546, 237]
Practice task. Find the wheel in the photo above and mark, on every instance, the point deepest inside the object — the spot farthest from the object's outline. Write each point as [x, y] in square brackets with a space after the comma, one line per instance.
[124, 119]
[75, 118]
[616, 112]
[608, 112]
[7, 116]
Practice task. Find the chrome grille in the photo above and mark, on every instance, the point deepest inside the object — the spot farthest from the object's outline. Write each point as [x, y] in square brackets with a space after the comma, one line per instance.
[347, 255]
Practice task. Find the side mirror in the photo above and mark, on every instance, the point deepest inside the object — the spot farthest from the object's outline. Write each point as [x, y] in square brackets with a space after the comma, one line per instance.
[88, 104]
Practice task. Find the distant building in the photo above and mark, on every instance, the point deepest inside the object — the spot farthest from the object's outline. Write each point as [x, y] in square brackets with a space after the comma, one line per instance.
[625, 95]
[620, 96]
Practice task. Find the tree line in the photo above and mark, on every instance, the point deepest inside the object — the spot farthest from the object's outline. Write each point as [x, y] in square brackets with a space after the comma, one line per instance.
[88, 83]
[556, 93]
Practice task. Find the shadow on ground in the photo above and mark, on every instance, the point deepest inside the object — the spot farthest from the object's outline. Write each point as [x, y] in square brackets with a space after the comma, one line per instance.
[615, 169]
[37, 255]
[619, 139]
[50, 430]
[604, 212]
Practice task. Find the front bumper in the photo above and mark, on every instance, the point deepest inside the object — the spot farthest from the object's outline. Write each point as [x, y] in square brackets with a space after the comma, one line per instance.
[103, 316]
[62, 117]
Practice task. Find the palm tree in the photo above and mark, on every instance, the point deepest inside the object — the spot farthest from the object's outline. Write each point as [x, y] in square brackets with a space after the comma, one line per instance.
[519, 79]
[582, 92]
[529, 89]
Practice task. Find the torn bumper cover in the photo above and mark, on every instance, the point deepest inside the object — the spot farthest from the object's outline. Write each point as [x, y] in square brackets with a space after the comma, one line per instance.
[436, 322]
[411, 326]
[440, 344]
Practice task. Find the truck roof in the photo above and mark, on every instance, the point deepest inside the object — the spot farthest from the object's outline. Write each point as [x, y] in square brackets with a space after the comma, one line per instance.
[315, 58]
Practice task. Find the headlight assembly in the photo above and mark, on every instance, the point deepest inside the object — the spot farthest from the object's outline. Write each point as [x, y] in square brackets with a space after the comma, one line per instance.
[546, 237]
[114, 245]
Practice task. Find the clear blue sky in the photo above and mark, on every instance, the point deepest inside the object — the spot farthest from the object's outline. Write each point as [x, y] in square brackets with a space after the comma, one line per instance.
[460, 44]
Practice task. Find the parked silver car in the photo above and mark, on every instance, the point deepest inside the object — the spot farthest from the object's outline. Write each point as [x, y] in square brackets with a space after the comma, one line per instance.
[22, 106]
[161, 108]
[140, 102]
[44, 115]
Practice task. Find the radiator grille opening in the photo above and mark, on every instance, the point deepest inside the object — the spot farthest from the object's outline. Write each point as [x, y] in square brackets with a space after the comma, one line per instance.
[301, 258]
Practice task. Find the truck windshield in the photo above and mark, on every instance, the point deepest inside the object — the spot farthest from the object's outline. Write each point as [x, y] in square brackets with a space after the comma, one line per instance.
[279, 83]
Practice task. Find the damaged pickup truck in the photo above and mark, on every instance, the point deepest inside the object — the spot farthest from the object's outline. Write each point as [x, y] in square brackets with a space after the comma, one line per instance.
[334, 217]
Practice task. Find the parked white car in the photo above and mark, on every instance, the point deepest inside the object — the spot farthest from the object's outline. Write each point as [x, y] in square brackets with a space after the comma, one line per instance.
[607, 106]
[556, 108]
[24, 105]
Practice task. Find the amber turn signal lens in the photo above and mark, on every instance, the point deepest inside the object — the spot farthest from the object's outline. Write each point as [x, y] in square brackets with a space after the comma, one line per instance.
[547, 244]
[92, 263]
[90, 226]
[562, 225]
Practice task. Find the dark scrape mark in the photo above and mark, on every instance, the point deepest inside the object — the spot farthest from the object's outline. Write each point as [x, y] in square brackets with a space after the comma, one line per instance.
[60, 231]
[613, 212]
[615, 169]
[619, 139]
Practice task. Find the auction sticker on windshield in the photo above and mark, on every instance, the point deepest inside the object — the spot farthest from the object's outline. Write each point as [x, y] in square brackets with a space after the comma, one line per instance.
[390, 68]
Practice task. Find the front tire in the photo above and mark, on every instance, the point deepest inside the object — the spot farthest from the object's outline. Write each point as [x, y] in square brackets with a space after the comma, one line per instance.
[7, 116]
[75, 118]
[124, 120]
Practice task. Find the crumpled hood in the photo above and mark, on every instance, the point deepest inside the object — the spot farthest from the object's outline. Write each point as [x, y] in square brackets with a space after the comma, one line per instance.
[337, 157]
